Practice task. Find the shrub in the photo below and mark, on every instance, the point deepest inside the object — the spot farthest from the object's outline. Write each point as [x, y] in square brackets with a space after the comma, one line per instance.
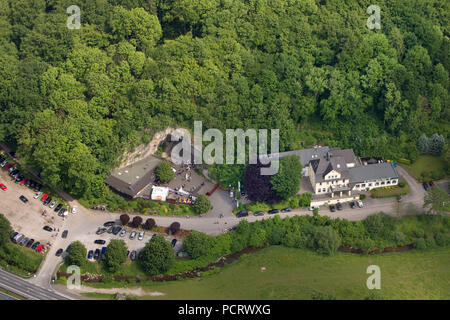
[115, 255]
[197, 244]
[201, 204]
[174, 227]
[157, 256]
[401, 184]
[164, 172]
[77, 254]
[430, 243]
[5, 230]
[149, 224]
[420, 244]
[137, 221]
[124, 218]
[442, 239]
[326, 240]
[362, 196]
[374, 225]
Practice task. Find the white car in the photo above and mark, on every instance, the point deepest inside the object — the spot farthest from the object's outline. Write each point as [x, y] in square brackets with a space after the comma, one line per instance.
[141, 235]
[37, 195]
[53, 204]
[123, 232]
[360, 203]
[74, 209]
[133, 235]
[312, 208]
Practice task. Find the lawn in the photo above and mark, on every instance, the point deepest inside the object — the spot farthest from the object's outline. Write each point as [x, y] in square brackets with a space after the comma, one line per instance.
[297, 274]
[392, 191]
[20, 260]
[430, 167]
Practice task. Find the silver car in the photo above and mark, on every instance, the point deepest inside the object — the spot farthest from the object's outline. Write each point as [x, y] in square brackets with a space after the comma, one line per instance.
[133, 235]
[141, 235]
[123, 232]
[53, 204]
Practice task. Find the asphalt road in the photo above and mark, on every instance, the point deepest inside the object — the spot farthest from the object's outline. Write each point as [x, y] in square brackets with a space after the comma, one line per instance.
[27, 290]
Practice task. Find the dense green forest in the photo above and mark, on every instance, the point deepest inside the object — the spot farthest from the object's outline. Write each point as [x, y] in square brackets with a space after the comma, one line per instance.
[73, 100]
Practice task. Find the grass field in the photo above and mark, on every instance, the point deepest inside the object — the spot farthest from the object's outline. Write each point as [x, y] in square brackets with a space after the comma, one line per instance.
[20, 260]
[393, 191]
[297, 274]
[426, 164]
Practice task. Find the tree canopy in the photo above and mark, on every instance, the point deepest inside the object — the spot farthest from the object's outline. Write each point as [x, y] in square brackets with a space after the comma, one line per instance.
[73, 101]
[157, 256]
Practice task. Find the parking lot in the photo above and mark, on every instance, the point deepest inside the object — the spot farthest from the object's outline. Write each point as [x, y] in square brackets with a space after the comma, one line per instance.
[133, 244]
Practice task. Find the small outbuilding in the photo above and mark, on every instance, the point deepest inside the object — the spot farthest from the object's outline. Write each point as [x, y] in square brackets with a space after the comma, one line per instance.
[159, 193]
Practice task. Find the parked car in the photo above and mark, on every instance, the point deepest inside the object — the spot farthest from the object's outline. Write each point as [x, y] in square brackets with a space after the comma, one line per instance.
[116, 230]
[24, 180]
[100, 231]
[19, 177]
[258, 213]
[90, 254]
[426, 185]
[109, 224]
[128, 253]
[360, 203]
[133, 235]
[47, 228]
[352, 205]
[332, 208]
[99, 241]
[14, 234]
[24, 200]
[141, 235]
[110, 229]
[8, 167]
[242, 213]
[58, 207]
[29, 243]
[24, 240]
[174, 241]
[431, 183]
[97, 254]
[133, 255]
[18, 238]
[62, 212]
[242, 192]
[102, 253]
[4, 163]
[288, 209]
[3, 187]
[28, 183]
[272, 211]
[123, 232]
[44, 197]
[312, 208]
[47, 201]
[40, 248]
[339, 206]
[74, 209]
[35, 245]
[32, 184]
[37, 195]
[64, 234]
[53, 204]
[59, 252]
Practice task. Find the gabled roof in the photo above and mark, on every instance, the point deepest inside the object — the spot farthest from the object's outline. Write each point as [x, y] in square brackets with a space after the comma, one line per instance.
[372, 172]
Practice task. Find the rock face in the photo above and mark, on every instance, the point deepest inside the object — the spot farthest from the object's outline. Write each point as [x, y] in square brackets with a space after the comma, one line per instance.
[144, 150]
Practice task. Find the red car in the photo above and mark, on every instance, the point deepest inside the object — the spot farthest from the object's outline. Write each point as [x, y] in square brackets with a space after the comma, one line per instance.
[8, 166]
[44, 197]
[24, 180]
[3, 187]
[431, 183]
[40, 248]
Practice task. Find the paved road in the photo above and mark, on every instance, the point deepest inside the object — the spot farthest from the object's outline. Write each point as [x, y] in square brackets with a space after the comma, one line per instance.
[27, 290]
